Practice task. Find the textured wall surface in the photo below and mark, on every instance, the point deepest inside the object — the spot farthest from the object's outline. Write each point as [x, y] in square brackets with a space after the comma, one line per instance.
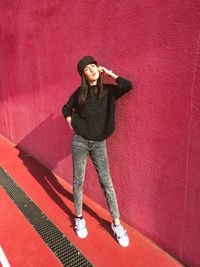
[154, 152]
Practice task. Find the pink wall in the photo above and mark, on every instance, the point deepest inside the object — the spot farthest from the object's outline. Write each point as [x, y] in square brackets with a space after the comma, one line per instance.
[154, 153]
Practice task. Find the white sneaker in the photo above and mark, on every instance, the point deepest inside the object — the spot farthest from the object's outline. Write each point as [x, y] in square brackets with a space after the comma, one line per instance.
[121, 235]
[80, 227]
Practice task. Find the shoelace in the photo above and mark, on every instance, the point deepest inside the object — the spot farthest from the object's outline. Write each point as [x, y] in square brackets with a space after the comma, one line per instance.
[120, 232]
[78, 224]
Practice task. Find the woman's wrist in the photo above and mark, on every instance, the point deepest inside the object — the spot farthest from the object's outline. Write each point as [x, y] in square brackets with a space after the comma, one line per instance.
[113, 75]
[69, 120]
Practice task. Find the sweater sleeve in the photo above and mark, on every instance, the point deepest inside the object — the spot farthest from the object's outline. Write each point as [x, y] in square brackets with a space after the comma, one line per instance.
[68, 107]
[122, 87]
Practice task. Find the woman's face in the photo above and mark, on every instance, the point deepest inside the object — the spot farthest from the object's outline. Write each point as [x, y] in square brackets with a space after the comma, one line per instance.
[91, 72]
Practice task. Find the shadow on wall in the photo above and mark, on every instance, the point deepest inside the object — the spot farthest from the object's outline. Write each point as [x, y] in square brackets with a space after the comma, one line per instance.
[49, 142]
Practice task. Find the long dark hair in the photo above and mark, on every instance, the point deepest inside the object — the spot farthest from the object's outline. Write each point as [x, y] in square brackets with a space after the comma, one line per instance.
[83, 93]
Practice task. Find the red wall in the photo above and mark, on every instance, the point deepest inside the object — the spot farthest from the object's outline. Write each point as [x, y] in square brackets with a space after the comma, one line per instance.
[154, 153]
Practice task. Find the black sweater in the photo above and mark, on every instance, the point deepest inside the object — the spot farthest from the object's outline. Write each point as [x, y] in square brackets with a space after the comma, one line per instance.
[95, 120]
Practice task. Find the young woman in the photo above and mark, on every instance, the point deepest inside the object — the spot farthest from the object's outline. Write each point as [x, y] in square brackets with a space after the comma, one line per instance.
[90, 111]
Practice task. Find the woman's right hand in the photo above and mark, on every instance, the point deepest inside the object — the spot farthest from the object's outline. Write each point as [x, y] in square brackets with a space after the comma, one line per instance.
[69, 120]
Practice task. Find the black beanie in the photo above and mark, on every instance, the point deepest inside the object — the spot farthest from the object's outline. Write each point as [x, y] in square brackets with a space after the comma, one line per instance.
[84, 62]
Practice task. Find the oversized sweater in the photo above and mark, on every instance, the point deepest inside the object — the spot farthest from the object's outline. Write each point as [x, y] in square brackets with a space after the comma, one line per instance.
[95, 119]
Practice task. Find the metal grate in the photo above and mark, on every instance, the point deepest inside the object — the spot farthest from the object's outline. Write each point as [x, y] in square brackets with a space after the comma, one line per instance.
[63, 249]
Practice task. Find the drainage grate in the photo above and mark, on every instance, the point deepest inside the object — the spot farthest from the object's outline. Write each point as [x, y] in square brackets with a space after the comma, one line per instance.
[63, 249]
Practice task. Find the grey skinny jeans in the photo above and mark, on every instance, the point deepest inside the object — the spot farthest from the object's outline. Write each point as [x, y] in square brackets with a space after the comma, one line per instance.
[81, 149]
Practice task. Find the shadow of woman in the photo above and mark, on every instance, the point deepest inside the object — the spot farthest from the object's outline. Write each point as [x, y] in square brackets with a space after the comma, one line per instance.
[53, 188]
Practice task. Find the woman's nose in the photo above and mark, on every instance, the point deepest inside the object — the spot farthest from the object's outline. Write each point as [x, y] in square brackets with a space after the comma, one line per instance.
[91, 70]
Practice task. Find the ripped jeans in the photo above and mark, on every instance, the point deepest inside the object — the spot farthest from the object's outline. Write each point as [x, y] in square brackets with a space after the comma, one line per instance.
[81, 149]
